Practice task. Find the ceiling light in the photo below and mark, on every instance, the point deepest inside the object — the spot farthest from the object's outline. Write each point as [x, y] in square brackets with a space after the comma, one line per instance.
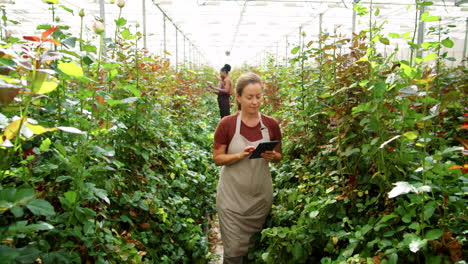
[249, 23]
[209, 3]
[260, 4]
[162, 2]
[292, 5]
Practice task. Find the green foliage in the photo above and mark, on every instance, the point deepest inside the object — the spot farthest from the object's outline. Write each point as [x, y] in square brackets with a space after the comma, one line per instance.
[114, 164]
[372, 170]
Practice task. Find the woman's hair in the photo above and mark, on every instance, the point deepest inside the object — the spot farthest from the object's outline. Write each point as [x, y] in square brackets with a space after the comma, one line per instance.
[244, 80]
[226, 68]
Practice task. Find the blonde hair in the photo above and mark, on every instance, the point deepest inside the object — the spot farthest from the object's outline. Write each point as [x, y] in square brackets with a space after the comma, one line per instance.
[244, 80]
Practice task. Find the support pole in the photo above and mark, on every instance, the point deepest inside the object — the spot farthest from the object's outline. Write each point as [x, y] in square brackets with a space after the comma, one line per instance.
[164, 38]
[464, 55]
[421, 28]
[102, 13]
[176, 49]
[354, 19]
[144, 24]
[184, 52]
[320, 30]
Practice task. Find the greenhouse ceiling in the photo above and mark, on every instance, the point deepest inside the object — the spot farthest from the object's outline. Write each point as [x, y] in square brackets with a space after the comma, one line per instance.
[235, 31]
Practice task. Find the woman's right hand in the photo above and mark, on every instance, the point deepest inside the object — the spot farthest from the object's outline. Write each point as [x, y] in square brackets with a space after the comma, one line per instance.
[246, 152]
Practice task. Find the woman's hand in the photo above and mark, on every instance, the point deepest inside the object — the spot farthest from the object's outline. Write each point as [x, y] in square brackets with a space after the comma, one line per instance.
[271, 155]
[246, 152]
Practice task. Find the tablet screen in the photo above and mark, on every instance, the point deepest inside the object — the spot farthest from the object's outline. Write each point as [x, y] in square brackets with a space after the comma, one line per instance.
[262, 147]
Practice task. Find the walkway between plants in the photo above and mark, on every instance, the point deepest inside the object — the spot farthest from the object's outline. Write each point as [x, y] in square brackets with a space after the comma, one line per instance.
[214, 237]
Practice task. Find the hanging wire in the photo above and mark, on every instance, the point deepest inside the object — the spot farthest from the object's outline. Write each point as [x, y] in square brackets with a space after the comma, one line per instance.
[238, 25]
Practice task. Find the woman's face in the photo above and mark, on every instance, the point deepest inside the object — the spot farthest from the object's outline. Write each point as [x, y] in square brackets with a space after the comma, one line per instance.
[222, 74]
[251, 98]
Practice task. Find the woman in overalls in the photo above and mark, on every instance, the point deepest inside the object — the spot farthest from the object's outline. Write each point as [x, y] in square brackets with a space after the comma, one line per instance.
[224, 91]
[245, 191]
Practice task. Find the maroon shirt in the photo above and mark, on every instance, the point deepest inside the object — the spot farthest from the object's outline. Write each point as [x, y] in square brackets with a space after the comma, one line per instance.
[227, 128]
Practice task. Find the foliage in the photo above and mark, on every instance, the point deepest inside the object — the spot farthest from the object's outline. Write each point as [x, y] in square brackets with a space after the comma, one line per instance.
[375, 170]
[104, 158]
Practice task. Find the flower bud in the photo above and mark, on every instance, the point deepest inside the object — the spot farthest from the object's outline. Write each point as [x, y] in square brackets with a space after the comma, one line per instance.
[98, 27]
[112, 1]
[81, 13]
[120, 3]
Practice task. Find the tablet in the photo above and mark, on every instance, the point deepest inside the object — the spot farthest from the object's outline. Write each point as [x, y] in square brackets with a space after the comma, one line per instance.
[262, 147]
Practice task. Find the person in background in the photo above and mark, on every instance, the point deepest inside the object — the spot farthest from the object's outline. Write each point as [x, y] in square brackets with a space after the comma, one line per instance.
[224, 91]
[245, 191]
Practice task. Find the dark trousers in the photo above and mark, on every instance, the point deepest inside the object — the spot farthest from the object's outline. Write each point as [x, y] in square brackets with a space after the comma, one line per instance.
[223, 103]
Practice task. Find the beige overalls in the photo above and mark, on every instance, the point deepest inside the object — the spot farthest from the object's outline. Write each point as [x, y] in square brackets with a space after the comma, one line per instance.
[244, 196]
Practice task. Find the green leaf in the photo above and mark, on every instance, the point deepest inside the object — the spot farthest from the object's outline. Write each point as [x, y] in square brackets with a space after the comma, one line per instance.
[431, 44]
[406, 35]
[71, 69]
[27, 255]
[295, 50]
[71, 196]
[8, 254]
[112, 73]
[134, 91]
[433, 234]
[42, 83]
[112, 102]
[23, 196]
[429, 209]
[102, 194]
[377, 12]
[394, 35]
[351, 152]
[67, 9]
[126, 34]
[385, 41]
[393, 258]
[120, 22]
[411, 135]
[23, 227]
[385, 218]
[17, 211]
[5, 206]
[47, 87]
[41, 207]
[90, 48]
[409, 71]
[447, 43]
[426, 18]
[426, 3]
[69, 42]
[45, 144]
[430, 57]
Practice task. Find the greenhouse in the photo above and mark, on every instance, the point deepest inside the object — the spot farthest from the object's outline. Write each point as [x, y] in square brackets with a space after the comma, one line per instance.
[129, 131]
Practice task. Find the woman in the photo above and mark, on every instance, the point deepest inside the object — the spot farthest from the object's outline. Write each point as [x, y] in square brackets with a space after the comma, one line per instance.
[225, 90]
[244, 193]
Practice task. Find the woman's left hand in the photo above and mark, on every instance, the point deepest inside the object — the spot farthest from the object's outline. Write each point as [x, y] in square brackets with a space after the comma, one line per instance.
[271, 155]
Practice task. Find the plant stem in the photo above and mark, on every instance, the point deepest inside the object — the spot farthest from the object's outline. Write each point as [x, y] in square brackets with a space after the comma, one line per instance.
[117, 26]
[98, 77]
